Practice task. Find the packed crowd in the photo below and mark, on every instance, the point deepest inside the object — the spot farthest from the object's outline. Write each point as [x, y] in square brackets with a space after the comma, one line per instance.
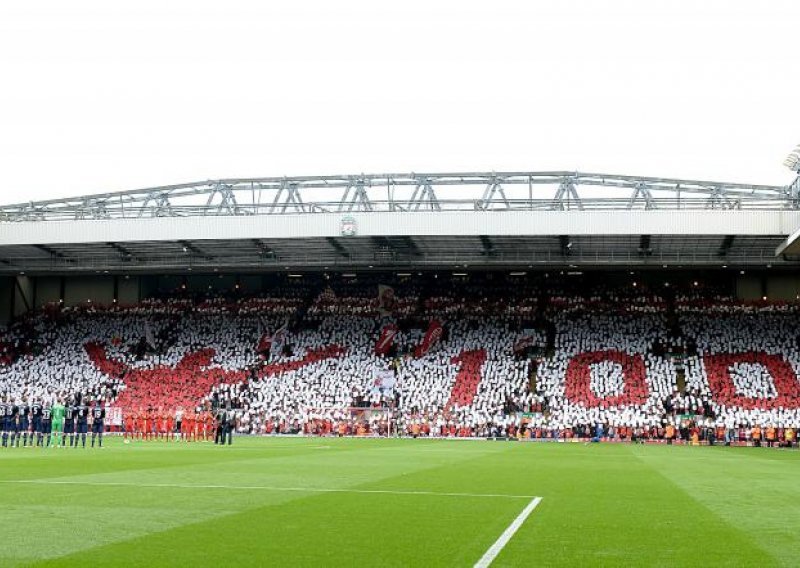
[447, 360]
[745, 363]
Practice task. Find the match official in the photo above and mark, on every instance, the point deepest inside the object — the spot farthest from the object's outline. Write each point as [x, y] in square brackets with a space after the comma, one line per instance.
[230, 425]
[219, 431]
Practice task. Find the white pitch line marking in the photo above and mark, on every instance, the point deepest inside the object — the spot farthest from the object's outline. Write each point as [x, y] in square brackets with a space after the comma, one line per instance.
[500, 543]
[263, 488]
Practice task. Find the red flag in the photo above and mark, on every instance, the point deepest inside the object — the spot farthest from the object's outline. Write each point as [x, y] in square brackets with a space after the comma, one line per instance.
[386, 339]
[432, 336]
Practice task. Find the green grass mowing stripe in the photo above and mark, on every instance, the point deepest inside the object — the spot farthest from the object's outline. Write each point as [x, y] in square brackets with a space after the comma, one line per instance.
[612, 511]
[321, 529]
[264, 488]
[323, 467]
[754, 490]
[604, 505]
[124, 458]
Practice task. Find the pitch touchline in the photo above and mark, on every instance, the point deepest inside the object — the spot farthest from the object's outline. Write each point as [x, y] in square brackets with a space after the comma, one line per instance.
[500, 543]
[263, 488]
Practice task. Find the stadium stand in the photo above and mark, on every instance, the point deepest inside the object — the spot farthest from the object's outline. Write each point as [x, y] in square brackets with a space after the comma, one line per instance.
[457, 358]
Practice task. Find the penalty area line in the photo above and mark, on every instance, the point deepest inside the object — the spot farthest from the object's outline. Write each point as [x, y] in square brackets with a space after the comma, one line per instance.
[263, 488]
[501, 542]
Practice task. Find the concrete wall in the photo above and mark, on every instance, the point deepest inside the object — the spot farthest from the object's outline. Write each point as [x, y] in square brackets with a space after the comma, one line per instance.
[78, 289]
[777, 286]
[165, 283]
[23, 295]
[148, 285]
[98, 289]
[783, 287]
[250, 282]
[128, 290]
[6, 293]
[48, 289]
[749, 287]
[18, 293]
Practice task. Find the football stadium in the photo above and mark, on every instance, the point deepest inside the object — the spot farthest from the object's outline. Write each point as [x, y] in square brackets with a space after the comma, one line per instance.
[432, 283]
[553, 368]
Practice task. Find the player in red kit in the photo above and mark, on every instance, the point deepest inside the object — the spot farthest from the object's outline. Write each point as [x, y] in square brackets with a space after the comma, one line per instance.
[170, 425]
[190, 423]
[208, 426]
[129, 425]
[141, 423]
[150, 423]
[161, 424]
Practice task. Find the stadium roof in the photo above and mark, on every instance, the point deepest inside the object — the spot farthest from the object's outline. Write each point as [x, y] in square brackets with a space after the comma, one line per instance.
[491, 220]
[556, 190]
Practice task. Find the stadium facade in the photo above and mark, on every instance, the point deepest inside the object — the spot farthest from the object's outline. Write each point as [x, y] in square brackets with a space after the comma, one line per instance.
[236, 232]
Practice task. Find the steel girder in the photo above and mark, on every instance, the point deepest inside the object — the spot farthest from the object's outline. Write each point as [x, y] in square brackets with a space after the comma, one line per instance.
[557, 190]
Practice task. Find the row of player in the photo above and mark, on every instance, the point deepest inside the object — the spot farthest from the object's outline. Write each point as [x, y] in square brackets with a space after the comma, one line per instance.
[159, 424]
[43, 424]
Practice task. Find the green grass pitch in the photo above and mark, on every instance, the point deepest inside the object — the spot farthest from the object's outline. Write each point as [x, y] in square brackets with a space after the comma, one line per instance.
[377, 502]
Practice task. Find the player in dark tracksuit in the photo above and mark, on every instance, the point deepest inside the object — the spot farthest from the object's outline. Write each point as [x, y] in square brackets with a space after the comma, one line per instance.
[5, 421]
[3, 431]
[47, 425]
[98, 423]
[24, 421]
[12, 412]
[82, 423]
[69, 424]
[36, 421]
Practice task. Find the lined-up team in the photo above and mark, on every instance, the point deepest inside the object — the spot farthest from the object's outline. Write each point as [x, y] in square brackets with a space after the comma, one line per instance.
[38, 423]
[159, 424]
[71, 424]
